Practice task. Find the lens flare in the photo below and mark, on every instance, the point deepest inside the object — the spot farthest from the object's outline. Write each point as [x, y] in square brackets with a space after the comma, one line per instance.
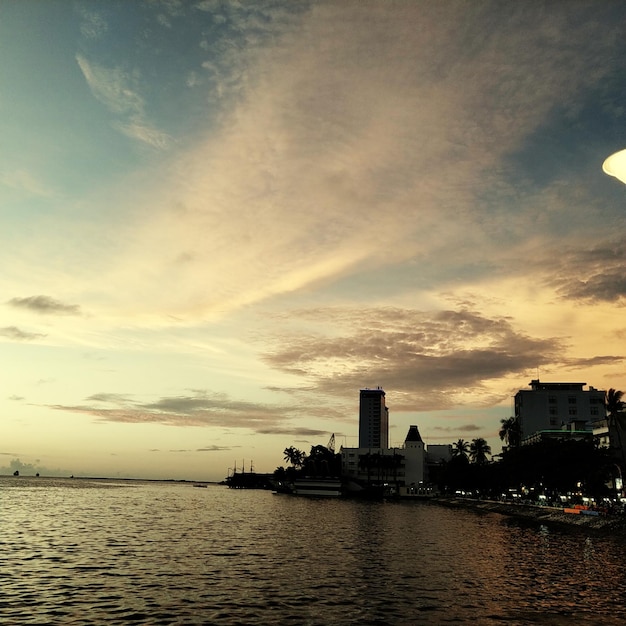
[615, 165]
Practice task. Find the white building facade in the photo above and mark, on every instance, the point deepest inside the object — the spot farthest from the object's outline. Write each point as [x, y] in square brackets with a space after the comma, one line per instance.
[557, 406]
[403, 468]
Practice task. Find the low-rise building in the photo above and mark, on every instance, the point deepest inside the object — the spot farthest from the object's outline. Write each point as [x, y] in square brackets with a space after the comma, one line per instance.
[575, 430]
[438, 453]
[554, 406]
[403, 469]
[601, 433]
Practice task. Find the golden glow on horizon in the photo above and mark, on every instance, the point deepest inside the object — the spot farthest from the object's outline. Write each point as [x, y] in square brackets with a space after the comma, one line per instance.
[615, 165]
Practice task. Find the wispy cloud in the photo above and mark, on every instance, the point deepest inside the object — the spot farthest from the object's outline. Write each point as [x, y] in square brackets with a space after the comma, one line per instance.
[298, 431]
[316, 197]
[595, 273]
[115, 88]
[27, 182]
[584, 362]
[112, 87]
[113, 398]
[465, 428]
[200, 409]
[143, 132]
[44, 305]
[213, 448]
[361, 143]
[13, 332]
[432, 360]
[93, 25]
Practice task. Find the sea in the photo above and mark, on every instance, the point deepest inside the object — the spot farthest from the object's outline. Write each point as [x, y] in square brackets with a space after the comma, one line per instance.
[81, 551]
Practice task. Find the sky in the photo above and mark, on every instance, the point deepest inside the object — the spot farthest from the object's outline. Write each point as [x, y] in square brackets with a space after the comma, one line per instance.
[221, 220]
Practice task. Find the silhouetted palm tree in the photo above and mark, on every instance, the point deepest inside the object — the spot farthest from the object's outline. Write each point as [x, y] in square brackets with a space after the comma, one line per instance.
[396, 462]
[366, 462]
[616, 419]
[294, 456]
[479, 449]
[461, 448]
[376, 460]
[613, 403]
[510, 431]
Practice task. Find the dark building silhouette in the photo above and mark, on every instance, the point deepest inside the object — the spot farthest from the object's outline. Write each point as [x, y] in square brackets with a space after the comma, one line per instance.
[373, 419]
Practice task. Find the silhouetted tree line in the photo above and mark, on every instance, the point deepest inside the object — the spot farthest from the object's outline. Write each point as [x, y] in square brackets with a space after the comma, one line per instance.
[551, 467]
[319, 463]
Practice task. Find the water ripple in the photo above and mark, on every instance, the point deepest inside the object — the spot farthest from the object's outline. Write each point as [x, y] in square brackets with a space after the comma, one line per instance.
[94, 552]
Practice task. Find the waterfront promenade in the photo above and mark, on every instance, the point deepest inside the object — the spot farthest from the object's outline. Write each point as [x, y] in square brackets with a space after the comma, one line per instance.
[605, 523]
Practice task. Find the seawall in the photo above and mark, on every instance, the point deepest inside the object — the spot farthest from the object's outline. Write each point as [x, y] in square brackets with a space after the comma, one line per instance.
[603, 523]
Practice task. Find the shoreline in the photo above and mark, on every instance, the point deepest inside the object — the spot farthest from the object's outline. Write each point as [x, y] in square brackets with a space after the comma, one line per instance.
[603, 524]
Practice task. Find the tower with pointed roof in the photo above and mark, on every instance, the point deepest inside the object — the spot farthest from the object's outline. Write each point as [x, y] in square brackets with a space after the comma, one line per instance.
[414, 456]
[413, 437]
[401, 471]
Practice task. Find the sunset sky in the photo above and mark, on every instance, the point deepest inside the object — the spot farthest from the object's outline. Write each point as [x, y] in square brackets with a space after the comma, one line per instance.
[220, 220]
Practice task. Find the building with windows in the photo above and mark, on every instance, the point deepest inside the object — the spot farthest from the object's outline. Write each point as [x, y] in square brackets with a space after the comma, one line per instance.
[373, 419]
[403, 469]
[557, 407]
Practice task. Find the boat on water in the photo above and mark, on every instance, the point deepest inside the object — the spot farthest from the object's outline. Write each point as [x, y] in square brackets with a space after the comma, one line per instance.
[317, 487]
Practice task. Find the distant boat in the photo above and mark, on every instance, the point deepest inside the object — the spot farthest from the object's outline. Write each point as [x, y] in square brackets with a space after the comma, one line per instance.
[318, 487]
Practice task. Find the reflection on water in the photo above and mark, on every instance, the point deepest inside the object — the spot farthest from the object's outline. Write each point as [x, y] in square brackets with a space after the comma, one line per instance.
[89, 552]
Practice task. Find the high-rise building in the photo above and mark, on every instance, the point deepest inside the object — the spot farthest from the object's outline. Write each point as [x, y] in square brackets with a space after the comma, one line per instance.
[373, 465]
[373, 419]
[555, 406]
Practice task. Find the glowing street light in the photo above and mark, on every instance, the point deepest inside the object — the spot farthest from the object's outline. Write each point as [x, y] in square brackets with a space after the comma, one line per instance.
[615, 165]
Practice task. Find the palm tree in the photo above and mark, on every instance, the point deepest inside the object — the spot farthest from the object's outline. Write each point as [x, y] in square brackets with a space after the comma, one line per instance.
[376, 460]
[613, 403]
[510, 431]
[461, 449]
[294, 456]
[395, 462]
[365, 462]
[479, 449]
[614, 406]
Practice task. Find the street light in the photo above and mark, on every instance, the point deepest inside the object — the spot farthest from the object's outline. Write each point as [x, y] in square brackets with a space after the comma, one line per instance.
[615, 165]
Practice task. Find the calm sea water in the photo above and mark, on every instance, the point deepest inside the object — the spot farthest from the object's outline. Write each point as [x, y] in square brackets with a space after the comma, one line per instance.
[101, 552]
